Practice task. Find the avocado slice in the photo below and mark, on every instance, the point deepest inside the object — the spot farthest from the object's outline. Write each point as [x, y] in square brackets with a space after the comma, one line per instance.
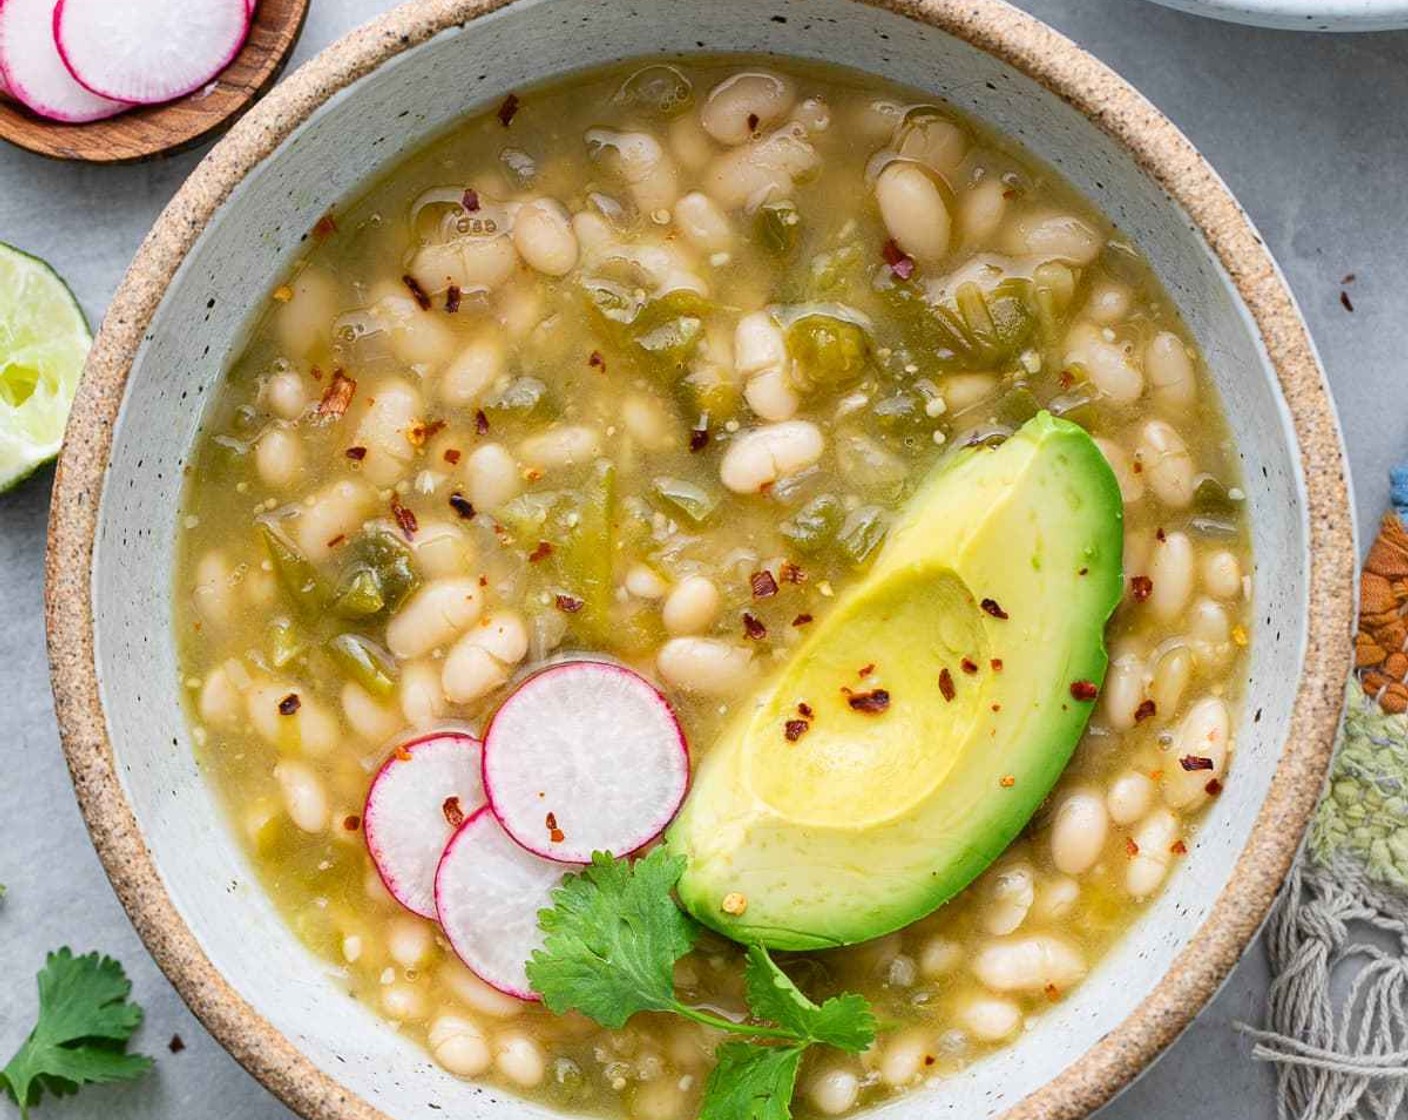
[910, 738]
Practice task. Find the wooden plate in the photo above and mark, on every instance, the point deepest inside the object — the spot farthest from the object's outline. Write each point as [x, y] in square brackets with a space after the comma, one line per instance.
[159, 130]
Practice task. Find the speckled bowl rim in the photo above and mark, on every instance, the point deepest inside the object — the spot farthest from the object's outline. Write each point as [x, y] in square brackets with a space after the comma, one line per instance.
[991, 25]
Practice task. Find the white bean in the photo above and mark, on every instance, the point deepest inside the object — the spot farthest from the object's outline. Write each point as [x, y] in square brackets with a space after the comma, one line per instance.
[980, 211]
[1171, 572]
[563, 445]
[422, 698]
[402, 1002]
[1056, 898]
[459, 1046]
[1222, 574]
[475, 994]
[213, 594]
[542, 234]
[1123, 691]
[520, 1059]
[1078, 832]
[692, 606]
[1107, 364]
[472, 372]
[1167, 463]
[220, 703]
[990, 1018]
[1129, 797]
[442, 548]
[1170, 369]
[433, 616]
[472, 264]
[1153, 840]
[770, 168]
[771, 396]
[933, 140]
[308, 727]
[644, 582]
[385, 432]
[1060, 237]
[902, 1058]
[744, 104]
[649, 423]
[416, 336]
[370, 720]
[301, 323]
[1209, 627]
[1172, 671]
[705, 665]
[764, 455]
[833, 1091]
[409, 940]
[1203, 737]
[334, 512]
[491, 476]
[482, 660]
[286, 394]
[642, 163]
[1028, 964]
[760, 357]
[1109, 303]
[1007, 898]
[703, 224]
[1131, 484]
[914, 211]
[303, 794]
[278, 457]
[964, 390]
[689, 143]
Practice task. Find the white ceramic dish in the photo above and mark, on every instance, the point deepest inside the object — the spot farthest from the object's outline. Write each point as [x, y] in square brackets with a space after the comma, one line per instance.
[1303, 15]
[380, 94]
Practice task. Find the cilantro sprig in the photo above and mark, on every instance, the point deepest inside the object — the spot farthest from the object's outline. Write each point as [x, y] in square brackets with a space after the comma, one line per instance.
[612, 939]
[80, 1038]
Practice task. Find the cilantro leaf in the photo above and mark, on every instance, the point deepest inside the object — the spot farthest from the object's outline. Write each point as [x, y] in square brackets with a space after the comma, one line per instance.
[85, 1020]
[845, 1022]
[751, 1082]
[613, 936]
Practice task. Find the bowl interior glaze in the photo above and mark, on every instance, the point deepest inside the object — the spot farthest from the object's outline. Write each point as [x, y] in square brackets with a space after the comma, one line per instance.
[392, 110]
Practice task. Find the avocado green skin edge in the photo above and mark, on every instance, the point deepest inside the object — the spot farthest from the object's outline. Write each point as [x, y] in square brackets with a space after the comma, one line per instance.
[1039, 773]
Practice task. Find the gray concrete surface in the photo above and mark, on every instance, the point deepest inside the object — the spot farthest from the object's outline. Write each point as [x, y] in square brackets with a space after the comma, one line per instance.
[1310, 133]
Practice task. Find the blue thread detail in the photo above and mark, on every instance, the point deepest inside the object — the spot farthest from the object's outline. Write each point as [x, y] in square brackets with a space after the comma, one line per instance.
[1398, 490]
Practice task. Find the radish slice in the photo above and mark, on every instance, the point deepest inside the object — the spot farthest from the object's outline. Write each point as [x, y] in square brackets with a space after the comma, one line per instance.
[150, 52]
[585, 756]
[34, 74]
[488, 892]
[421, 794]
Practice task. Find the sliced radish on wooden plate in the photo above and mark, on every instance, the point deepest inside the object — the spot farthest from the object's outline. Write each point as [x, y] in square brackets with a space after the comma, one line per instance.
[148, 52]
[488, 891]
[34, 73]
[419, 797]
[585, 756]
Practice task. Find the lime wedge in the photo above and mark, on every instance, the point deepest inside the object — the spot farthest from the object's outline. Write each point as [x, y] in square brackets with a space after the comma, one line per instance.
[43, 341]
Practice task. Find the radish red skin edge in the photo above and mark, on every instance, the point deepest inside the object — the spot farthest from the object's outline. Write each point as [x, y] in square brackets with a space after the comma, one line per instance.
[488, 894]
[585, 756]
[407, 819]
[33, 73]
[101, 42]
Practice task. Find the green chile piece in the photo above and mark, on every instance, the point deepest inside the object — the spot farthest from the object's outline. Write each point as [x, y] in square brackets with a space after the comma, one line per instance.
[358, 594]
[365, 662]
[1016, 406]
[862, 534]
[296, 573]
[694, 502]
[779, 226]
[286, 642]
[815, 525]
[828, 351]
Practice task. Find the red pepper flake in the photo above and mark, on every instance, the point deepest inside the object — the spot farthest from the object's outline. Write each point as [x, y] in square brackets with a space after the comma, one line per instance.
[763, 584]
[992, 608]
[1083, 571]
[352, 822]
[753, 122]
[1066, 379]
[804, 709]
[555, 834]
[356, 454]
[968, 665]
[454, 813]
[483, 581]
[508, 110]
[1178, 848]
[404, 518]
[401, 753]
[753, 627]
[871, 703]
[929, 1059]
[1146, 710]
[462, 505]
[1084, 690]
[452, 455]
[419, 294]
[569, 603]
[1345, 303]
[177, 1044]
[1191, 762]
[900, 262]
[1214, 787]
[794, 729]
[341, 538]
[1007, 781]
[453, 296]
[698, 439]
[596, 361]
[1131, 849]
[791, 573]
[946, 688]
[470, 199]
[420, 432]
[1159, 534]
[802, 620]
[1141, 587]
[290, 704]
[481, 422]
[337, 396]
[324, 227]
[541, 551]
[996, 664]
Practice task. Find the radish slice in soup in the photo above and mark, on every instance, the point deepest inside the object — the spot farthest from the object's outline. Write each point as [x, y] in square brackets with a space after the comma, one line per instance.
[488, 891]
[150, 52]
[585, 757]
[32, 72]
[421, 794]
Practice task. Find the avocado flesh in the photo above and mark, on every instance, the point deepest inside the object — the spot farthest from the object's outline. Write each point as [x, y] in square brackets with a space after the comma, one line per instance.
[869, 820]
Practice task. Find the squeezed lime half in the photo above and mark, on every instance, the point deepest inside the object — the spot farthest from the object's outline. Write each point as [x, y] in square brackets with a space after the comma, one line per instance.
[43, 342]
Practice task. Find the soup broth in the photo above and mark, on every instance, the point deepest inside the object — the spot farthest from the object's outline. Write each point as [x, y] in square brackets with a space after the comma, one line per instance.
[648, 359]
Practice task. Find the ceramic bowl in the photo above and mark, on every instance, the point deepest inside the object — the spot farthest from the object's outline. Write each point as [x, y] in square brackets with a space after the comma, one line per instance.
[380, 93]
[1302, 15]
